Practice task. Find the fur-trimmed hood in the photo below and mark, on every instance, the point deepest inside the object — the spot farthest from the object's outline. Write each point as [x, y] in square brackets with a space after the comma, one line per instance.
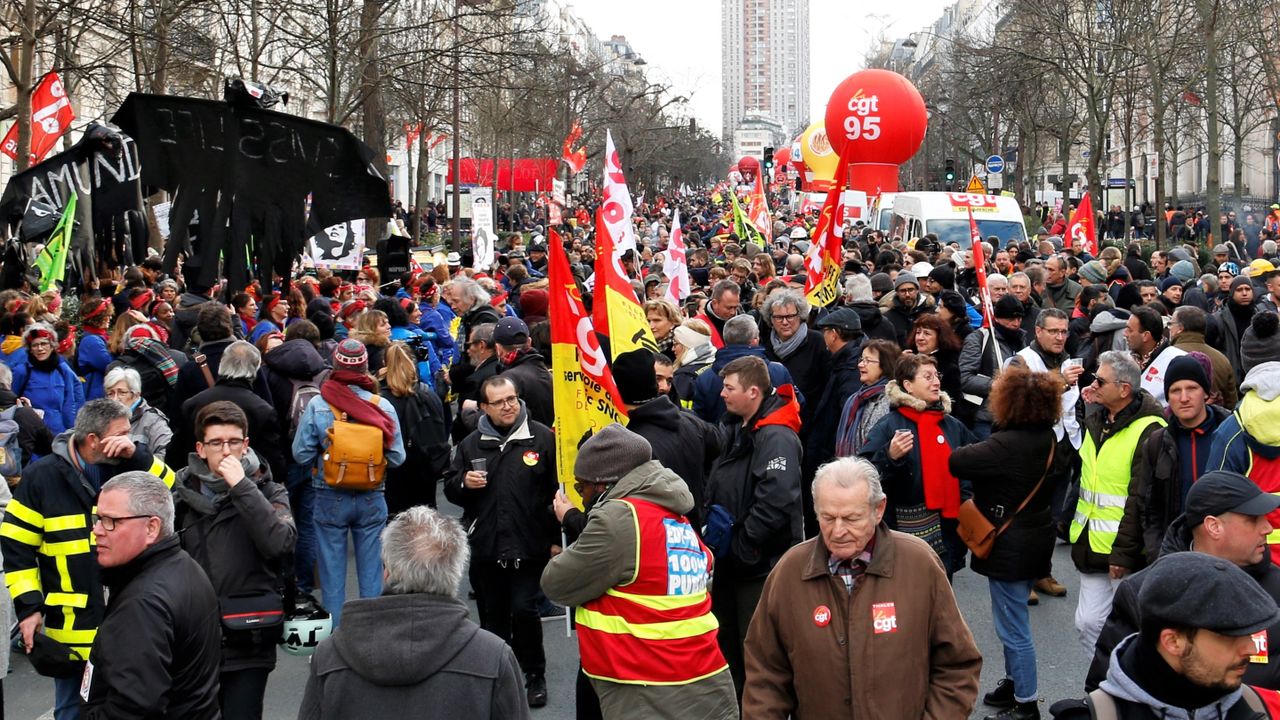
[901, 398]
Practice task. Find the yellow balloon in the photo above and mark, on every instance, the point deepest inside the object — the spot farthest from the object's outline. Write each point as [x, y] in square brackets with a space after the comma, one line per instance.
[819, 159]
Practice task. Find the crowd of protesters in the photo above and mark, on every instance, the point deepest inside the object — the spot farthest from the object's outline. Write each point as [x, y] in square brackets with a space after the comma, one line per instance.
[210, 458]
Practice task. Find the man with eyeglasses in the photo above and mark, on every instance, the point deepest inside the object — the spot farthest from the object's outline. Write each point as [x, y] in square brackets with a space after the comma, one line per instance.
[1106, 535]
[504, 479]
[235, 520]
[483, 358]
[157, 653]
[45, 537]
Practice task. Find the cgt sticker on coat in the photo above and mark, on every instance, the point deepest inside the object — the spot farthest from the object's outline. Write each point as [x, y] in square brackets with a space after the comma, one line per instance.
[884, 618]
[531, 458]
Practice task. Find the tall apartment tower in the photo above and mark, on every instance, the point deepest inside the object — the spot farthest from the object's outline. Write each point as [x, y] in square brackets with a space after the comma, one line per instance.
[765, 46]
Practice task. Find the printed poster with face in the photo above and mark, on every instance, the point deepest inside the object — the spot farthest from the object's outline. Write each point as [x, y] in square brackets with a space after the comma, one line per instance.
[339, 247]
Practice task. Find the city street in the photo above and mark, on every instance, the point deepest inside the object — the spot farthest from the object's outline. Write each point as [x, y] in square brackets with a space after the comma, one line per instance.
[1061, 660]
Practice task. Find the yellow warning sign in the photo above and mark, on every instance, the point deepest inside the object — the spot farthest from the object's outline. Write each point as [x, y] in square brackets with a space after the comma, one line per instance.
[976, 186]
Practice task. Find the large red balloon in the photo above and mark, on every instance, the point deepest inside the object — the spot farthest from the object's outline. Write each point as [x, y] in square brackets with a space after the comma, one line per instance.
[876, 116]
[749, 167]
[782, 156]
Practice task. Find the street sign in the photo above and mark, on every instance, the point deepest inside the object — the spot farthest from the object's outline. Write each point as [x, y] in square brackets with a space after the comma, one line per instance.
[995, 165]
[995, 181]
[975, 186]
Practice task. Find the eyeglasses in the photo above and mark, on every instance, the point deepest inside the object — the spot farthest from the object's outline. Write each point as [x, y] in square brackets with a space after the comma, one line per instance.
[121, 394]
[505, 402]
[1103, 382]
[1055, 333]
[868, 361]
[41, 345]
[786, 318]
[109, 523]
[232, 444]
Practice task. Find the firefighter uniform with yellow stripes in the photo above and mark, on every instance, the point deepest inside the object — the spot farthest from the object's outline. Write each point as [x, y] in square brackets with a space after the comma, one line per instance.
[1101, 535]
[640, 578]
[47, 536]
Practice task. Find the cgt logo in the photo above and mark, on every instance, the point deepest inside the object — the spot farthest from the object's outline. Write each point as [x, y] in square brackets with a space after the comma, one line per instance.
[884, 618]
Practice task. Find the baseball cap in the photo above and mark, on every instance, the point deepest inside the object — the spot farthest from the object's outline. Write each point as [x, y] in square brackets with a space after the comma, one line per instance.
[510, 331]
[1223, 491]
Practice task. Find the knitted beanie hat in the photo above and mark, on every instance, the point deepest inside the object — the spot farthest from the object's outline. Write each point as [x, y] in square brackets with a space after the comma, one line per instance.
[610, 454]
[1260, 343]
[351, 355]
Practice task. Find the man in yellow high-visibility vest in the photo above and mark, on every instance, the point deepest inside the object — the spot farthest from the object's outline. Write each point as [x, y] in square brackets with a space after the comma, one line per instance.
[1106, 535]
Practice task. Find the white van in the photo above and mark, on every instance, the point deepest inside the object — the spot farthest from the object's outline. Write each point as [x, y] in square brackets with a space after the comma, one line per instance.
[947, 216]
[883, 211]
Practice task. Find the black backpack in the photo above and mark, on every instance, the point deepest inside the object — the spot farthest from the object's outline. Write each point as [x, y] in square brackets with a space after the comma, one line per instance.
[155, 389]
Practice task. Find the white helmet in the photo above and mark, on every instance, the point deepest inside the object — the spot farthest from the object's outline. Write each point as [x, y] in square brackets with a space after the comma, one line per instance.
[304, 628]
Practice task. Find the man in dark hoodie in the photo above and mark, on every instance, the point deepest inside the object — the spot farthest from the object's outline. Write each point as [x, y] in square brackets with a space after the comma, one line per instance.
[753, 498]
[236, 523]
[526, 367]
[981, 359]
[414, 646]
[1225, 517]
[741, 338]
[680, 441]
[186, 315]
[908, 304]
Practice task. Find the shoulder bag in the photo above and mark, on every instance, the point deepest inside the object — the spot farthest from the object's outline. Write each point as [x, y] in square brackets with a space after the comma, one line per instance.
[977, 532]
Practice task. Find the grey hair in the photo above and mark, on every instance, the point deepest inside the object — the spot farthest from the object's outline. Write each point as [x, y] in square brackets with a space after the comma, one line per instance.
[240, 361]
[1020, 276]
[96, 416]
[483, 333]
[858, 288]
[847, 472]
[1269, 247]
[792, 298]
[148, 495]
[6, 376]
[998, 279]
[1124, 366]
[740, 330]
[127, 374]
[722, 288]
[471, 290]
[424, 552]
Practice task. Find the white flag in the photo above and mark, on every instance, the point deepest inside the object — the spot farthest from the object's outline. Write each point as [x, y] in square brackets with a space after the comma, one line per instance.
[675, 266]
[617, 208]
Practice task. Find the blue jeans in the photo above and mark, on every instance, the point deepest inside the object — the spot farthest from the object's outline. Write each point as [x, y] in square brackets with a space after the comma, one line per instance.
[363, 514]
[66, 698]
[1013, 627]
[302, 498]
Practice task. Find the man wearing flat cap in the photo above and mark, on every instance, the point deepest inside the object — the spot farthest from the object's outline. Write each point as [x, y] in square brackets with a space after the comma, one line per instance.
[1225, 517]
[842, 332]
[1201, 616]
[639, 576]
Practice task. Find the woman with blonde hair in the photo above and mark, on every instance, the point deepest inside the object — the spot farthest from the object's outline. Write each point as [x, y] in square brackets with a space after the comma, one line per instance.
[694, 354]
[426, 438]
[373, 328]
[663, 318]
[120, 331]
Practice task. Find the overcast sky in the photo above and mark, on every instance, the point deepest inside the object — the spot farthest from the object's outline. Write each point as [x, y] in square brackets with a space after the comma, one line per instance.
[680, 40]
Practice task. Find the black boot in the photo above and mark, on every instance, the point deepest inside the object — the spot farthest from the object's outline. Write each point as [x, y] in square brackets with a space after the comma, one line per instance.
[1002, 696]
[536, 690]
[1019, 711]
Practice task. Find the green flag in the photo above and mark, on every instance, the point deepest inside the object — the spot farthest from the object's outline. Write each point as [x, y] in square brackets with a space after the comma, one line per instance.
[742, 227]
[52, 261]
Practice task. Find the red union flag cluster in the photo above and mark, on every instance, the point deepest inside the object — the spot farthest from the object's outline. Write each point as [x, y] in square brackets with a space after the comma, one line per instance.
[826, 254]
[51, 116]
[1082, 232]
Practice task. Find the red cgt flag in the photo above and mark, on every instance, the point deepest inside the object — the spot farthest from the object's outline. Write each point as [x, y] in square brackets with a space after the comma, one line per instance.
[51, 116]
[575, 159]
[980, 268]
[1081, 231]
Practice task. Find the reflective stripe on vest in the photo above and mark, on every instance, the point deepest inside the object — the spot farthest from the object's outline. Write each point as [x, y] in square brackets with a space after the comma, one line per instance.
[656, 629]
[1104, 484]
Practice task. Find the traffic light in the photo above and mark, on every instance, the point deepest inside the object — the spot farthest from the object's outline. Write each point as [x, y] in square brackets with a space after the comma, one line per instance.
[768, 162]
[950, 173]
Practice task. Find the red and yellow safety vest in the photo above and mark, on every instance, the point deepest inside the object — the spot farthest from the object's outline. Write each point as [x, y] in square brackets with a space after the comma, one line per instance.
[657, 628]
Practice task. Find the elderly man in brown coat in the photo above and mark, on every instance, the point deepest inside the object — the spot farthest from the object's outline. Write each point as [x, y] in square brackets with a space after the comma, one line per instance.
[860, 621]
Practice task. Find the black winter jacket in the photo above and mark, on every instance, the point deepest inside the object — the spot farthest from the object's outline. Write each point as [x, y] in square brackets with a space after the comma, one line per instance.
[874, 325]
[1003, 470]
[157, 654]
[412, 651]
[682, 442]
[266, 432]
[1126, 615]
[510, 518]
[1162, 482]
[903, 319]
[842, 382]
[532, 378]
[294, 360]
[469, 320]
[239, 538]
[34, 436]
[978, 365]
[191, 380]
[184, 318]
[757, 480]
[810, 367]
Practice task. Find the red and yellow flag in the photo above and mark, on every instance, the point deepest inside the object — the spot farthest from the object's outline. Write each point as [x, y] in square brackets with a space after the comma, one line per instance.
[826, 255]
